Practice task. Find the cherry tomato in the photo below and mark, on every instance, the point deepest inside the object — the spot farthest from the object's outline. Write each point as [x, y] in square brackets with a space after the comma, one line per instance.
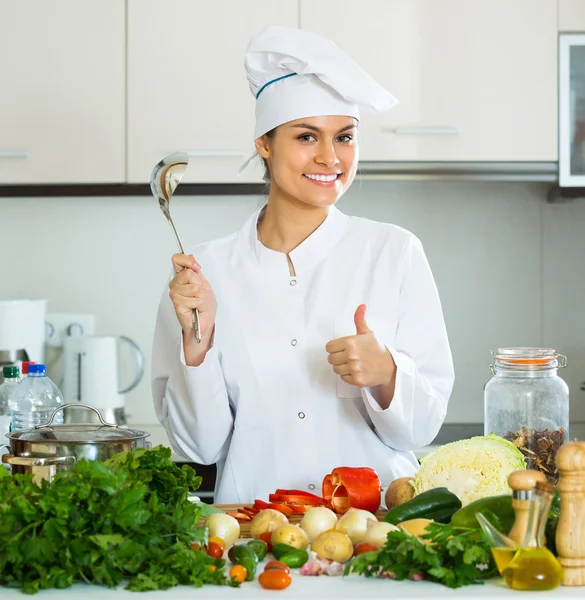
[276, 564]
[195, 546]
[216, 540]
[364, 547]
[214, 550]
[267, 539]
[274, 579]
[212, 568]
[238, 573]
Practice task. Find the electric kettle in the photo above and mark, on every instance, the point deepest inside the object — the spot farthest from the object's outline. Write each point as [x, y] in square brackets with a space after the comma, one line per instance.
[93, 374]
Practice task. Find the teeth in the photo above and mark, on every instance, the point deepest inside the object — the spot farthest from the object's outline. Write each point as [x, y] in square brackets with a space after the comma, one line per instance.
[322, 177]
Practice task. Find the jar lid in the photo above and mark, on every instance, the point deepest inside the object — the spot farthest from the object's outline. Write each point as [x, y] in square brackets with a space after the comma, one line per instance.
[529, 357]
[78, 433]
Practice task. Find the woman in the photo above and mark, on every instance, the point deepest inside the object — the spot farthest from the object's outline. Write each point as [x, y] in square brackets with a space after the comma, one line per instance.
[322, 336]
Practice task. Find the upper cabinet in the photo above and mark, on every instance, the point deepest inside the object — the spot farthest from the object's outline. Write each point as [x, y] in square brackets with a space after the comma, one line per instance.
[477, 81]
[187, 88]
[572, 15]
[62, 98]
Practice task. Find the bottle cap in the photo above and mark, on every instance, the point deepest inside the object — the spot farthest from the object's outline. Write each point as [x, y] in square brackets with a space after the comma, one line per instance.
[25, 365]
[37, 369]
[10, 372]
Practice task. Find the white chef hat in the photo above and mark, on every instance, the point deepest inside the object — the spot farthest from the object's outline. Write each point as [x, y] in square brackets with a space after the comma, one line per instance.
[294, 74]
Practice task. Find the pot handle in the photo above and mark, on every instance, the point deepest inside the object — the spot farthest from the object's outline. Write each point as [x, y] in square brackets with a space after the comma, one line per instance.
[75, 405]
[37, 461]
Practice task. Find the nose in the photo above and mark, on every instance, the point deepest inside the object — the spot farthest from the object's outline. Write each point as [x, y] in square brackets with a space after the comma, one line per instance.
[326, 155]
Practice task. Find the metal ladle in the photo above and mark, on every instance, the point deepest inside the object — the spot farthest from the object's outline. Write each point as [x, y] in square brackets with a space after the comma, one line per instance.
[164, 179]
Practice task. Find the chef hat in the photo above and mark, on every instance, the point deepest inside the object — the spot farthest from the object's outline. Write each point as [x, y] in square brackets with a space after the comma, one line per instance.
[294, 74]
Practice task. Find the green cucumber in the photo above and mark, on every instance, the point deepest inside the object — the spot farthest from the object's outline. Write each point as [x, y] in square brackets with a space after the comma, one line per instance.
[438, 505]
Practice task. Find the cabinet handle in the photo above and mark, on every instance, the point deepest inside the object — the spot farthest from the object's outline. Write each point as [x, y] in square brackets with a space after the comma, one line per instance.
[423, 130]
[216, 153]
[10, 154]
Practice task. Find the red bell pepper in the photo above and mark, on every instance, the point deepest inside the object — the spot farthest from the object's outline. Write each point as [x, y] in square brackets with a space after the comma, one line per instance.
[261, 505]
[352, 487]
[295, 493]
[283, 508]
[291, 499]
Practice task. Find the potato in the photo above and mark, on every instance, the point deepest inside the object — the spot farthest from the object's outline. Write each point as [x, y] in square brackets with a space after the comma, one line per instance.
[399, 492]
[333, 545]
[266, 520]
[291, 535]
[416, 527]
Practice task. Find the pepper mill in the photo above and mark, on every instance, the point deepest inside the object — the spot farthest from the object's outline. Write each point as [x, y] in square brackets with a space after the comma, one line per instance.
[570, 538]
[522, 484]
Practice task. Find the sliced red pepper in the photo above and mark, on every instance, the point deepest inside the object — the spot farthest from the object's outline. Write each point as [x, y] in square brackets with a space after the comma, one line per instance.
[283, 508]
[352, 487]
[295, 493]
[261, 505]
[239, 516]
[248, 511]
[292, 499]
[299, 509]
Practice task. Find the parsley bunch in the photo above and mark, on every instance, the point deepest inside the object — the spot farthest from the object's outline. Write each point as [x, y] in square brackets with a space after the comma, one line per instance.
[102, 523]
[455, 557]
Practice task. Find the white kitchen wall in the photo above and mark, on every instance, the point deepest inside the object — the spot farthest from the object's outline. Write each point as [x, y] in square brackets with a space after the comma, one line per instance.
[510, 268]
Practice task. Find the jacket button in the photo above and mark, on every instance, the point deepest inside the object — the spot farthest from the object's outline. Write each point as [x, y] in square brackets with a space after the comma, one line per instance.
[312, 486]
[301, 415]
[293, 342]
[293, 281]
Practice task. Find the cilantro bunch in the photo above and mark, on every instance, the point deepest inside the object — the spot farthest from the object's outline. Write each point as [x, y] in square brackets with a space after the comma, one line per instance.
[455, 557]
[127, 519]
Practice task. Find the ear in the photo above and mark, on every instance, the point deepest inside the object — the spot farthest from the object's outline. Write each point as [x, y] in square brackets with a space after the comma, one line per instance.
[262, 146]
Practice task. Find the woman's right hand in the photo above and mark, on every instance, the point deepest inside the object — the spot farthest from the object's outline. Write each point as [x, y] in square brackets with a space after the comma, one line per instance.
[188, 290]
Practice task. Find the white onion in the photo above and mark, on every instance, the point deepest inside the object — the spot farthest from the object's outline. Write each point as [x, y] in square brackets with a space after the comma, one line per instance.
[223, 526]
[355, 523]
[317, 520]
[377, 533]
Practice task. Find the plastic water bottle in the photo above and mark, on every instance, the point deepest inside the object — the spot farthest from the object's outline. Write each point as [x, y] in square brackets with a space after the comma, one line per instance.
[34, 400]
[11, 376]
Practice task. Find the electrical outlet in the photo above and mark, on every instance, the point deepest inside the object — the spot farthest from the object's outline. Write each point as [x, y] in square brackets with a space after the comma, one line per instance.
[62, 325]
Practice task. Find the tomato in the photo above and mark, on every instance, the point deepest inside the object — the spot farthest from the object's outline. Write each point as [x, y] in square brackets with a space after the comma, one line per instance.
[267, 539]
[212, 568]
[216, 540]
[214, 550]
[276, 564]
[195, 546]
[238, 573]
[274, 579]
[364, 547]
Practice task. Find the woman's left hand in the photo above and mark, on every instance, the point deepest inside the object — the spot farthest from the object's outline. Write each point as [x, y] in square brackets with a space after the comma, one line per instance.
[361, 359]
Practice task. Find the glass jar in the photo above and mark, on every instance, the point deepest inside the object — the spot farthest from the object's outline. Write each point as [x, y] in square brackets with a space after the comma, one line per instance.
[527, 403]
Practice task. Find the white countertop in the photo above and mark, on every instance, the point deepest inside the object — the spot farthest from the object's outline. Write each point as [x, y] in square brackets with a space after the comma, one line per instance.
[312, 588]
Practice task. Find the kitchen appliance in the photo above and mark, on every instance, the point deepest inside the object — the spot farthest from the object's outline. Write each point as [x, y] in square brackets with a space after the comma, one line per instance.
[164, 179]
[46, 449]
[572, 110]
[22, 331]
[93, 374]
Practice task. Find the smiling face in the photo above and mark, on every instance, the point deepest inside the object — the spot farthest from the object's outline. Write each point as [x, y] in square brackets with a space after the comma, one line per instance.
[312, 160]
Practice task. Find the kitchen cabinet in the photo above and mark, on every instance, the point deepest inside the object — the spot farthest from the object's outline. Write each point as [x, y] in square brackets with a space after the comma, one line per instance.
[572, 15]
[477, 81]
[62, 116]
[187, 88]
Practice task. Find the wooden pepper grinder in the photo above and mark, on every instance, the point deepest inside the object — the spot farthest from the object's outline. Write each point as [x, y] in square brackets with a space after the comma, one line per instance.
[522, 484]
[570, 537]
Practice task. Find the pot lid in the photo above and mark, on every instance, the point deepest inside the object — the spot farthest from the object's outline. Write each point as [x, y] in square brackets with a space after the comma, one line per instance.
[78, 433]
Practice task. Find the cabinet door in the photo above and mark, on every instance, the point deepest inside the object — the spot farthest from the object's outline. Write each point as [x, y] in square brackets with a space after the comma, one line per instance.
[62, 91]
[572, 15]
[187, 87]
[477, 81]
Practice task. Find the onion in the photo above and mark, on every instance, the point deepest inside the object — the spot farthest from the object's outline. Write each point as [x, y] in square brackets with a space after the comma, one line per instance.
[355, 523]
[317, 520]
[223, 526]
[377, 533]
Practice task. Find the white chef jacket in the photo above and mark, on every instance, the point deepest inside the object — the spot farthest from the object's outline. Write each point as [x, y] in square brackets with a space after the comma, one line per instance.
[265, 404]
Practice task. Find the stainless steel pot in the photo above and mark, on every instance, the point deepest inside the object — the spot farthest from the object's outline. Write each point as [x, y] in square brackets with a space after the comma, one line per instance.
[44, 450]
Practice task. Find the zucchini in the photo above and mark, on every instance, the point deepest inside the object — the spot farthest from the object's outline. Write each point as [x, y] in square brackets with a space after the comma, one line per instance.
[438, 505]
[500, 506]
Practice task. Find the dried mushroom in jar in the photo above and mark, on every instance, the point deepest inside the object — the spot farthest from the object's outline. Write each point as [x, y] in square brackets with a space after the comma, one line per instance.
[539, 448]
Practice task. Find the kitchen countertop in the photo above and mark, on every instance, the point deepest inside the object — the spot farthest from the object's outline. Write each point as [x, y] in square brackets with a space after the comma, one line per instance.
[313, 588]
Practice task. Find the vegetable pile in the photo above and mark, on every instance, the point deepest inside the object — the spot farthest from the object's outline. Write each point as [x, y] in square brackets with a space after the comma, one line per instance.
[102, 523]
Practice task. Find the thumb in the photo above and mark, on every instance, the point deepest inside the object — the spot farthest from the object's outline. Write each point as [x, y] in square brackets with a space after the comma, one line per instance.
[360, 320]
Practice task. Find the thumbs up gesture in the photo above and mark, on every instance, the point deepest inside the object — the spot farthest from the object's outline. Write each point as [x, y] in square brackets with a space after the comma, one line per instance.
[361, 359]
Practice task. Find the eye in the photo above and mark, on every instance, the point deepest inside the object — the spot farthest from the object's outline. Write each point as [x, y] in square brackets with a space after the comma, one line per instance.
[345, 139]
[306, 137]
